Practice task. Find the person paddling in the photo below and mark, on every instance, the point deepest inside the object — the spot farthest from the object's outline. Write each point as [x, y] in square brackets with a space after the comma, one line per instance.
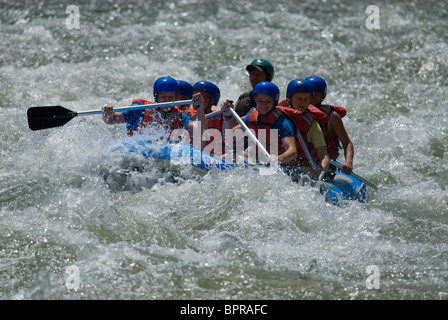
[264, 118]
[165, 89]
[299, 94]
[334, 132]
[212, 139]
[186, 93]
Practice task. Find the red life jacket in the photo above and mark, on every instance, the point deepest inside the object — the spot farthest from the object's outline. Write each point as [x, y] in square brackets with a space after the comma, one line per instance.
[172, 118]
[329, 108]
[258, 121]
[302, 122]
[216, 122]
[332, 140]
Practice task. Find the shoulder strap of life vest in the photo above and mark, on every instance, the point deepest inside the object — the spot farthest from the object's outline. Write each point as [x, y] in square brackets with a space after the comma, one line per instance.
[319, 115]
[268, 120]
[330, 108]
[301, 121]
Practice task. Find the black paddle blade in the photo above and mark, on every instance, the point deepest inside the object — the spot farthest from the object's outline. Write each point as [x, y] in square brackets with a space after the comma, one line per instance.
[48, 117]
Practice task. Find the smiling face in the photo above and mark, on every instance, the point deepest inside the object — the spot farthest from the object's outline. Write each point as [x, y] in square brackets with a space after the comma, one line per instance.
[205, 96]
[166, 97]
[264, 103]
[300, 101]
[256, 76]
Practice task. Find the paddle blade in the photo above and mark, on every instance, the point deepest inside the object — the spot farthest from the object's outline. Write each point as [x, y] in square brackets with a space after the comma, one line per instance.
[48, 117]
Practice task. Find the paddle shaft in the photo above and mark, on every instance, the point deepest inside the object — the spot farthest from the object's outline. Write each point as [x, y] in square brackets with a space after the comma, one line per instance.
[148, 106]
[212, 114]
[249, 133]
[138, 107]
[367, 182]
[307, 152]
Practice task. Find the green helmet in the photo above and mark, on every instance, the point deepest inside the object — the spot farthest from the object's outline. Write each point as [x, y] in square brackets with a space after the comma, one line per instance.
[262, 65]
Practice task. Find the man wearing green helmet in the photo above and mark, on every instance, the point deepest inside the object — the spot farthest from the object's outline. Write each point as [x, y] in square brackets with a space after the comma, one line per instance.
[259, 70]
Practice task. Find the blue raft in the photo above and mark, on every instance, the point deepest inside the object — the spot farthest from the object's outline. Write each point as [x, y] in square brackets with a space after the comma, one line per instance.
[342, 187]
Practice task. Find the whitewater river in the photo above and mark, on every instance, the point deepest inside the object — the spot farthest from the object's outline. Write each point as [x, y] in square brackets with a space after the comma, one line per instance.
[70, 228]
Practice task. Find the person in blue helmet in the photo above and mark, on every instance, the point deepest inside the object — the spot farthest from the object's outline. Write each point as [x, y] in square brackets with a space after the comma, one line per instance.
[186, 93]
[307, 120]
[266, 116]
[165, 89]
[334, 130]
[210, 93]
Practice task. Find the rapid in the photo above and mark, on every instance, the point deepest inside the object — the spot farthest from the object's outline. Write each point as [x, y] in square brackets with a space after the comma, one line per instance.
[69, 229]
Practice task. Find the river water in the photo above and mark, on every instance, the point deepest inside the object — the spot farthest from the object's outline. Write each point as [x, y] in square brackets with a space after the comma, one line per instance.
[68, 230]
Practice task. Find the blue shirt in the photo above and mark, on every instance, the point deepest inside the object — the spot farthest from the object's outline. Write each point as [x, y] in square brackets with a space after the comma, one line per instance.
[283, 125]
[134, 118]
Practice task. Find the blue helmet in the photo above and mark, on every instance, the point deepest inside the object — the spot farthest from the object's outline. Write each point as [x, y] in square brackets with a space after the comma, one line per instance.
[209, 87]
[299, 86]
[318, 83]
[185, 89]
[165, 84]
[267, 88]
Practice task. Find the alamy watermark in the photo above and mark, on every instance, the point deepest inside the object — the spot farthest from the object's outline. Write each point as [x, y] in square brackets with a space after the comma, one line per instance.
[373, 20]
[72, 21]
[231, 147]
[72, 278]
[373, 280]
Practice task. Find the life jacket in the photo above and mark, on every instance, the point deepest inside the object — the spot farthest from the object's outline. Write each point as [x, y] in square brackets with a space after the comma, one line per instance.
[216, 122]
[258, 121]
[172, 118]
[332, 140]
[302, 123]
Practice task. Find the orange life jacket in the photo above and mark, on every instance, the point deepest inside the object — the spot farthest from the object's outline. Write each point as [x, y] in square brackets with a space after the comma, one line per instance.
[302, 122]
[172, 118]
[258, 121]
[216, 122]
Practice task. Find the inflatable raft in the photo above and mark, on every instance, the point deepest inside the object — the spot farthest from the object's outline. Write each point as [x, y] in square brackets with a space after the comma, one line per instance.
[342, 187]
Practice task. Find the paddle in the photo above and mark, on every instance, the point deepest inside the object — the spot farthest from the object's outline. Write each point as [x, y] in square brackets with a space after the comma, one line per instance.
[367, 182]
[212, 114]
[333, 162]
[55, 116]
[249, 133]
[307, 152]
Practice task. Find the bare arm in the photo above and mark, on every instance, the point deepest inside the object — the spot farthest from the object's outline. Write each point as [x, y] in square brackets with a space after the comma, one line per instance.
[337, 127]
[316, 137]
[289, 143]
